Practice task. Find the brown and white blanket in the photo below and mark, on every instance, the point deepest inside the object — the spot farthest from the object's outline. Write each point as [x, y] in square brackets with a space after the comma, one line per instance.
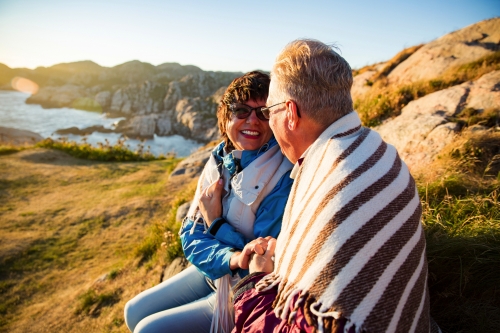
[352, 246]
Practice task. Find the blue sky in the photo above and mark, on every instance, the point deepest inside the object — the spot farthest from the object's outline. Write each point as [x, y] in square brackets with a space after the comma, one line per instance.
[221, 35]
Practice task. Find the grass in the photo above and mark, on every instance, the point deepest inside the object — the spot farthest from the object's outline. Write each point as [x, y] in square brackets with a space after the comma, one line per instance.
[162, 242]
[91, 302]
[64, 224]
[385, 101]
[461, 216]
[104, 152]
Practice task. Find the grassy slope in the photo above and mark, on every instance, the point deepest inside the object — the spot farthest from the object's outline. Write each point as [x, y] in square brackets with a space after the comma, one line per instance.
[64, 223]
[460, 194]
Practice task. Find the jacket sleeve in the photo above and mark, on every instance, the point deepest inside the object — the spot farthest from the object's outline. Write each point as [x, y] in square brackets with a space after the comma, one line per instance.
[267, 218]
[208, 254]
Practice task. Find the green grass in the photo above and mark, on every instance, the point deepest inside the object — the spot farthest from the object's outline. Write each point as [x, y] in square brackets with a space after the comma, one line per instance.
[463, 251]
[104, 152]
[162, 242]
[91, 302]
[461, 216]
[7, 149]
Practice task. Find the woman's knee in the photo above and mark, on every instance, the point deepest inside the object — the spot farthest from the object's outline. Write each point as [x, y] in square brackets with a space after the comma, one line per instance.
[131, 314]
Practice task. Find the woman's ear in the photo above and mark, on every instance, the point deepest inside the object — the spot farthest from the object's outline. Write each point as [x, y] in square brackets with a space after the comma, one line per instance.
[291, 115]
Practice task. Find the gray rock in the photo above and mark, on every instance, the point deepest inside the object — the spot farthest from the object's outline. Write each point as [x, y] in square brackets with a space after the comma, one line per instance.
[485, 92]
[175, 267]
[144, 125]
[103, 98]
[192, 166]
[422, 129]
[454, 49]
[182, 211]
[16, 136]
[164, 125]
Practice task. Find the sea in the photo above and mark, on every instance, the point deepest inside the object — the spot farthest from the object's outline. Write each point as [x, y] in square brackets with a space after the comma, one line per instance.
[15, 113]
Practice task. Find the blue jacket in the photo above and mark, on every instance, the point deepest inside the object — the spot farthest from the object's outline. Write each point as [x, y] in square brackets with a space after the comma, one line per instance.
[211, 253]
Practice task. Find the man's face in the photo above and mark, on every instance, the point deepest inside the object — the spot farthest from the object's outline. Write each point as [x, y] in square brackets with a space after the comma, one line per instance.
[277, 120]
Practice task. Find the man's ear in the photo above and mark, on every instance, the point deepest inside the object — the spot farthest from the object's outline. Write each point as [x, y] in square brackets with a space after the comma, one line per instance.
[292, 117]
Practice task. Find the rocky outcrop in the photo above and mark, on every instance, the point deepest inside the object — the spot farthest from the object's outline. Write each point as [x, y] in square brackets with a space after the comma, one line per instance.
[164, 100]
[454, 49]
[140, 99]
[192, 166]
[186, 107]
[16, 136]
[426, 125]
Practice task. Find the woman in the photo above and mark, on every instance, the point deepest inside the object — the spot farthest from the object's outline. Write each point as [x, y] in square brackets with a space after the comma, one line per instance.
[255, 176]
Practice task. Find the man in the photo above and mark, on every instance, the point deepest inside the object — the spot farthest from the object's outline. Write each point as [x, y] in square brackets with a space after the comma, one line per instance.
[351, 252]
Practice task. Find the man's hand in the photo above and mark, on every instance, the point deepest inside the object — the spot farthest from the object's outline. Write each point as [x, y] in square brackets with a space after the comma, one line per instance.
[211, 202]
[264, 263]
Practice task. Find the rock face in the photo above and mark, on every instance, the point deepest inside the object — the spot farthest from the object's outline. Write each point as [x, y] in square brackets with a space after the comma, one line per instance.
[454, 49]
[424, 127]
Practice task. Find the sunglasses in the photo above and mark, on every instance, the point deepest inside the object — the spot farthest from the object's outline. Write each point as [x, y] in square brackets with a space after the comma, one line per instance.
[243, 111]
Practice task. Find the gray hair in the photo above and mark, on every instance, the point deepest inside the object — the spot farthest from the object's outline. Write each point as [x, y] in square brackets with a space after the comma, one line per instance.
[316, 77]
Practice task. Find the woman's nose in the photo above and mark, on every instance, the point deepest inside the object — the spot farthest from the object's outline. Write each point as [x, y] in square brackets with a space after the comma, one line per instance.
[252, 118]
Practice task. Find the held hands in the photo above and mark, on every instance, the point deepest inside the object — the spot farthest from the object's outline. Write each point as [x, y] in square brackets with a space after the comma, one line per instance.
[211, 202]
[257, 255]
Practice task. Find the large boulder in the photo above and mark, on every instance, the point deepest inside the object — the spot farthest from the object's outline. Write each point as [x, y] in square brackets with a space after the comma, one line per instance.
[426, 125]
[193, 165]
[103, 98]
[457, 48]
[485, 92]
[140, 99]
[16, 136]
[139, 126]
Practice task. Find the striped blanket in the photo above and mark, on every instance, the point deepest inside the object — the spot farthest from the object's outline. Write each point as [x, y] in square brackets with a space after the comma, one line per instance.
[352, 249]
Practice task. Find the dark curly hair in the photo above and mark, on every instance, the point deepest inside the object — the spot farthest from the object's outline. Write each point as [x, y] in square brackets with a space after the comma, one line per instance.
[251, 86]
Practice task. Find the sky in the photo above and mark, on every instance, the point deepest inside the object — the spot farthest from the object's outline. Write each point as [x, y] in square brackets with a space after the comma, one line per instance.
[221, 35]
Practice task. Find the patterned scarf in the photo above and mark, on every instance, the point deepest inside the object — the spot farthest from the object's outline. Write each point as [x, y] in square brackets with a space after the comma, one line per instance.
[352, 246]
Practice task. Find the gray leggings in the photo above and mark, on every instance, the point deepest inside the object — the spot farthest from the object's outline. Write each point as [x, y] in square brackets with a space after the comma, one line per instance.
[183, 303]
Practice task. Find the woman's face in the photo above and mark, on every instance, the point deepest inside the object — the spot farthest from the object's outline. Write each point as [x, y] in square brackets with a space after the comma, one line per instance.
[250, 133]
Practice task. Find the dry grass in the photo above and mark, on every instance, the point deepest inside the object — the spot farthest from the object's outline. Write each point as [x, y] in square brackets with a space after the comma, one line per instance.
[64, 223]
[385, 101]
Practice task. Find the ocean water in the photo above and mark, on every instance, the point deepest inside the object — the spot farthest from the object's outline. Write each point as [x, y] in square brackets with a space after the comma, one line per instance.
[15, 113]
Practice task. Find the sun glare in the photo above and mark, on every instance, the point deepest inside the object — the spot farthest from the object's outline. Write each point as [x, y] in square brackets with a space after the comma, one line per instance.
[24, 85]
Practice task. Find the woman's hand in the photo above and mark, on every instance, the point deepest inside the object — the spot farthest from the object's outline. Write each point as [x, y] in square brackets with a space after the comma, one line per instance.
[211, 202]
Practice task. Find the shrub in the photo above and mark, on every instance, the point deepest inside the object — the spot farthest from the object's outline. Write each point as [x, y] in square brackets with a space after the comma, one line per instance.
[104, 152]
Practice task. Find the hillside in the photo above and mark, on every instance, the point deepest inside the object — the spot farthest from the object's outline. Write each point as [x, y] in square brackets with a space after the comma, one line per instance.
[65, 224]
